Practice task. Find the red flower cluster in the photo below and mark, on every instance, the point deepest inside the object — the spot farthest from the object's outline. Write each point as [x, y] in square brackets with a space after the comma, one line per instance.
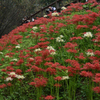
[49, 97]
[86, 74]
[39, 82]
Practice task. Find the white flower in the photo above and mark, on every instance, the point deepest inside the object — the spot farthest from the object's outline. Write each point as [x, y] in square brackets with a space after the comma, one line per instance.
[20, 76]
[66, 71]
[1, 52]
[59, 39]
[14, 60]
[37, 50]
[90, 54]
[53, 53]
[63, 8]
[34, 28]
[18, 46]
[65, 77]
[31, 58]
[55, 14]
[88, 34]
[61, 36]
[45, 16]
[50, 48]
[7, 56]
[9, 79]
[12, 73]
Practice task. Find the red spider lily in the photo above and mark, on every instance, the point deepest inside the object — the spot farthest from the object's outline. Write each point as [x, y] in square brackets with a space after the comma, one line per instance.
[18, 71]
[86, 19]
[95, 62]
[86, 74]
[55, 65]
[2, 86]
[97, 75]
[12, 63]
[96, 89]
[88, 66]
[58, 78]
[28, 64]
[70, 45]
[97, 66]
[51, 71]
[76, 38]
[45, 53]
[94, 27]
[3, 70]
[48, 63]
[60, 25]
[38, 60]
[97, 78]
[48, 59]
[81, 26]
[49, 97]
[72, 50]
[39, 82]
[71, 71]
[93, 58]
[89, 50]
[43, 29]
[10, 68]
[9, 84]
[42, 39]
[81, 56]
[19, 62]
[62, 67]
[57, 85]
[30, 60]
[97, 52]
[29, 70]
[10, 54]
[52, 38]
[36, 69]
[51, 28]
[43, 44]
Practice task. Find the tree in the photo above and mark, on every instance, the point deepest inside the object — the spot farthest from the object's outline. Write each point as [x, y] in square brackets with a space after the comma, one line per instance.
[12, 12]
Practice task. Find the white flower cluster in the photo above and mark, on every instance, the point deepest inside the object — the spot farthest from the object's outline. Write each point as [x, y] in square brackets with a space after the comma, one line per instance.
[15, 75]
[90, 54]
[18, 46]
[65, 77]
[14, 60]
[59, 39]
[34, 28]
[63, 8]
[1, 53]
[88, 34]
[36, 50]
[31, 58]
[55, 14]
[9, 79]
[7, 56]
[45, 16]
[51, 48]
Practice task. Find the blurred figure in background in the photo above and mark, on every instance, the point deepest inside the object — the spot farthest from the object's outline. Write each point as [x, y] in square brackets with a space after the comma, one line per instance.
[25, 19]
[50, 10]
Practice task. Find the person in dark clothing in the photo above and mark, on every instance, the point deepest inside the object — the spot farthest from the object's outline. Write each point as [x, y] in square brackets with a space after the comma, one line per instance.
[25, 19]
[50, 9]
